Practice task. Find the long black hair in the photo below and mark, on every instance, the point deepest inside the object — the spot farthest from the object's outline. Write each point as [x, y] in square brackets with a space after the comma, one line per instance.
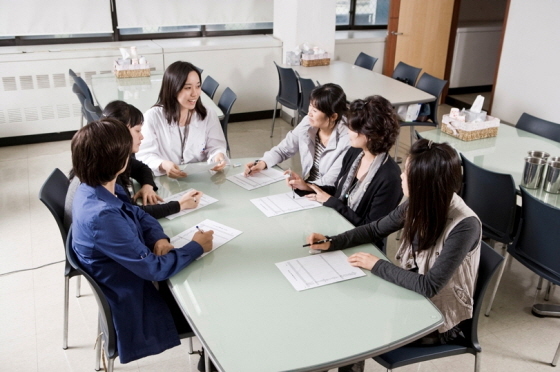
[123, 112]
[434, 174]
[173, 81]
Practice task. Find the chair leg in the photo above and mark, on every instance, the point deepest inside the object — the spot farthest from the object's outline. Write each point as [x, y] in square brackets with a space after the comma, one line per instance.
[206, 362]
[111, 365]
[487, 313]
[78, 285]
[477, 362]
[65, 322]
[539, 285]
[556, 356]
[98, 343]
[273, 118]
[190, 346]
[548, 290]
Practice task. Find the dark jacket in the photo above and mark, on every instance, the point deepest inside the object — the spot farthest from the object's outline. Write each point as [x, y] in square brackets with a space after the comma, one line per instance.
[382, 195]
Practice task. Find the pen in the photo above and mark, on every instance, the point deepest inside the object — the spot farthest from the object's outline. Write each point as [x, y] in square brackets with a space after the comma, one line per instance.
[293, 190]
[319, 242]
[199, 229]
[255, 163]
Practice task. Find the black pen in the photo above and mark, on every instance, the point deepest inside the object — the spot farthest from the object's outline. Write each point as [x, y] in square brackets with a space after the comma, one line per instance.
[255, 163]
[293, 190]
[319, 242]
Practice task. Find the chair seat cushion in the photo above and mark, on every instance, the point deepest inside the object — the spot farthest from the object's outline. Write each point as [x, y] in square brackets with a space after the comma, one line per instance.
[418, 353]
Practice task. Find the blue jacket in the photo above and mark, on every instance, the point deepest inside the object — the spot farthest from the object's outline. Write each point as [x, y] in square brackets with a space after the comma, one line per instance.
[113, 240]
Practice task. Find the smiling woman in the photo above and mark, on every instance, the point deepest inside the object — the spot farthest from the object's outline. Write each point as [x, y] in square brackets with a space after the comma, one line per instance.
[179, 129]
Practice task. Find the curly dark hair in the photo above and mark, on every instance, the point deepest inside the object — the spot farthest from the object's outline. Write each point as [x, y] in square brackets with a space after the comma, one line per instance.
[375, 118]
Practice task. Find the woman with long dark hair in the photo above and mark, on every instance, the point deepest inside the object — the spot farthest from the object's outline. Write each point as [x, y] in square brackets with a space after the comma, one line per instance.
[179, 129]
[368, 184]
[440, 250]
[321, 139]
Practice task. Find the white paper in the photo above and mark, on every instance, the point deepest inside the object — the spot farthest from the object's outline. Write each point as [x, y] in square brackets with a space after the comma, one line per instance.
[222, 234]
[318, 270]
[204, 201]
[275, 205]
[254, 181]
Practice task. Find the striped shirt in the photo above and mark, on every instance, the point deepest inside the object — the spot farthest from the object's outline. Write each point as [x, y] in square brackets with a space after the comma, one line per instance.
[319, 149]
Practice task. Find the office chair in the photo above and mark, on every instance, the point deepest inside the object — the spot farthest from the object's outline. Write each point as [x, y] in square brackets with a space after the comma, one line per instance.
[406, 73]
[410, 354]
[76, 90]
[366, 61]
[225, 104]
[540, 127]
[209, 86]
[84, 89]
[53, 195]
[536, 246]
[288, 92]
[91, 112]
[306, 86]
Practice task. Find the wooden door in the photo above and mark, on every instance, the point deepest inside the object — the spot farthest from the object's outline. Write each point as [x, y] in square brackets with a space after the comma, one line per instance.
[420, 33]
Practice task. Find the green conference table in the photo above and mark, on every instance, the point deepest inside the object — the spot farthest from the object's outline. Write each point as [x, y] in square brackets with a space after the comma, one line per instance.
[141, 92]
[250, 318]
[504, 153]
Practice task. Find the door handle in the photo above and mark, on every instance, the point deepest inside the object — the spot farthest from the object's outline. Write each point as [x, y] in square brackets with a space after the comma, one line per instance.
[394, 33]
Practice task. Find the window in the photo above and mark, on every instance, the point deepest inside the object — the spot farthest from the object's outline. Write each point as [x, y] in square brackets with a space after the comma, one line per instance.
[356, 14]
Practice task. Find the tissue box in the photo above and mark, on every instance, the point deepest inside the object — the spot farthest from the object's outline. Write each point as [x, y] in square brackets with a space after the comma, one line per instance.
[470, 131]
[130, 71]
[310, 60]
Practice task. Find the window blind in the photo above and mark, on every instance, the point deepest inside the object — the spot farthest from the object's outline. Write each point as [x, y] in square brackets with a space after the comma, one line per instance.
[163, 13]
[54, 17]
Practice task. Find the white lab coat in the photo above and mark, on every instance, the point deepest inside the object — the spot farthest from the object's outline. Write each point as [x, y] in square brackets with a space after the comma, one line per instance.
[162, 141]
[302, 139]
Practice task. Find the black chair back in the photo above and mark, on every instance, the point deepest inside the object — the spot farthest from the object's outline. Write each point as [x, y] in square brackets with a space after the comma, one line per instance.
[82, 85]
[306, 86]
[105, 316]
[288, 91]
[538, 238]
[209, 86]
[365, 60]
[492, 196]
[434, 86]
[225, 104]
[540, 127]
[91, 112]
[406, 73]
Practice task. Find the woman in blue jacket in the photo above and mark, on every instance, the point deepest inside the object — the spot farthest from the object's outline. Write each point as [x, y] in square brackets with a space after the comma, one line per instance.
[123, 248]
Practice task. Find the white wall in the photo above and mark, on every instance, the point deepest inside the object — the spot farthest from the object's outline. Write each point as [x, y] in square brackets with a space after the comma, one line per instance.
[528, 77]
[349, 44]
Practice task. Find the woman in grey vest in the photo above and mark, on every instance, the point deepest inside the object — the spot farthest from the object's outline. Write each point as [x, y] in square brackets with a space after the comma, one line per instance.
[440, 250]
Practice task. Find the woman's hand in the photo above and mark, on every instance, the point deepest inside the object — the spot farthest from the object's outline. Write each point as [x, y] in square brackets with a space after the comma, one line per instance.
[204, 239]
[221, 160]
[162, 247]
[172, 170]
[363, 260]
[190, 200]
[295, 181]
[315, 237]
[252, 168]
[319, 195]
[148, 195]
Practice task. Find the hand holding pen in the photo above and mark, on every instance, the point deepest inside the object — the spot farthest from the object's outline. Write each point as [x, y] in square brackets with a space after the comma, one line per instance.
[318, 242]
[254, 167]
[204, 238]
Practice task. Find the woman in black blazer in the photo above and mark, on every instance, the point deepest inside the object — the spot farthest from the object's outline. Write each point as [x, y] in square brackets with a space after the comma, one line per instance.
[368, 186]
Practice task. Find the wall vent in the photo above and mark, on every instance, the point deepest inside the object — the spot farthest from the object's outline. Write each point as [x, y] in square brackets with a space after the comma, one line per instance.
[9, 83]
[76, 109]
[14, 115]
[31, 114]
[89, 74]
[43, 82]
[63, 111]
[2, 118]
[47, 112]
[26, 82]
[59, 80]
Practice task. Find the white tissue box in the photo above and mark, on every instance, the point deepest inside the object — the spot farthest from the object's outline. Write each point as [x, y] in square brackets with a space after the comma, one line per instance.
[470, 131]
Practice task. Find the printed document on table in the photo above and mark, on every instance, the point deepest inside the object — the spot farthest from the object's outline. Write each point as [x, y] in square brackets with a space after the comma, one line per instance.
[275, 205]
[262, 178]
[318, 270]
[222, 234]
[204, 201]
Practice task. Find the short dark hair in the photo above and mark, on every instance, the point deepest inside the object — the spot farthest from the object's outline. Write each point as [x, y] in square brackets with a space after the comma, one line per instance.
[434, 175]
[173, 81]
[375, 118]
[330, 99]
[123, 112]
[100, 150]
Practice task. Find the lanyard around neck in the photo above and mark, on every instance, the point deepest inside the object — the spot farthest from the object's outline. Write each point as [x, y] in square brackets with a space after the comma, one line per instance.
[183, 136]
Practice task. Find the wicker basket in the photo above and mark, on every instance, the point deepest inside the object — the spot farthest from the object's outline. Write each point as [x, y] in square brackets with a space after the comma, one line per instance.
[131, 71]
[315, 62]
[470, 131]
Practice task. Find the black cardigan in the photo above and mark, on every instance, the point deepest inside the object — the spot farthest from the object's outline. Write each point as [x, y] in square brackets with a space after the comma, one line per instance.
[382, 195]
[144, 176]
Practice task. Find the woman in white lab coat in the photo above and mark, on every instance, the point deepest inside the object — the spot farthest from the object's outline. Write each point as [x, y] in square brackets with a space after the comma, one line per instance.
[179, 129]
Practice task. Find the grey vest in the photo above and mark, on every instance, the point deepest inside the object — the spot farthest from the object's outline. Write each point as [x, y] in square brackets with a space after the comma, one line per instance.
[455, 299]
